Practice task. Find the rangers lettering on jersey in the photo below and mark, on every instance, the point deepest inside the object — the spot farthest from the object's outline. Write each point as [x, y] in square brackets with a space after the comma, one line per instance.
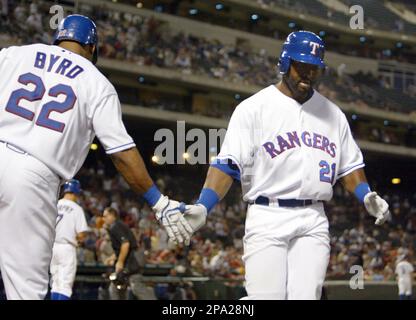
[310, 144]
[312, 140]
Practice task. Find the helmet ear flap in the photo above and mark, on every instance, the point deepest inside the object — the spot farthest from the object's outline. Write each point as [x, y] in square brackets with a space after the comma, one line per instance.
[284, 64]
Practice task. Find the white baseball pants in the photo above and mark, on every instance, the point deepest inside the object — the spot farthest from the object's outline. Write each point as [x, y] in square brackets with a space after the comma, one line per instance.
[286, 252]
[28, 199]
[63, 268]
[405, 287]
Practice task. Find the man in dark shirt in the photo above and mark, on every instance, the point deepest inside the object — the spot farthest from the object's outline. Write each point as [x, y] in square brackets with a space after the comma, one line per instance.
[124, 245]
[123, 242]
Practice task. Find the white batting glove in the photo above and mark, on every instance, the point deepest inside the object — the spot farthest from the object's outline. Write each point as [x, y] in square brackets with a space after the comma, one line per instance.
[196, 216]
[377, 207]
[168, 213]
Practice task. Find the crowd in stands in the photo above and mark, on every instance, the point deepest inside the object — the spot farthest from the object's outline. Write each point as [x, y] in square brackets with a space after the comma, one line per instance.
[25, 23]
[356, 241]
[377, 15]
[378, 134]
[147, 41]
[337, 12]
[150, 43]
[217, 248]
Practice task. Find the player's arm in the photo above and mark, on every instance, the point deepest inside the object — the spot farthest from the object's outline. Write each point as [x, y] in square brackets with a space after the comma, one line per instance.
[227, 167]
[352, 180]
[217, 183]
[110, 260]
[352, 176]
[81, 226]
[130, 165]
[110, 130]
[356, 182]
[80, 237]
[121, 259]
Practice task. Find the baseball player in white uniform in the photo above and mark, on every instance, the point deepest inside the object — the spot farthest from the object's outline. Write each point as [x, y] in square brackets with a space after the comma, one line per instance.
[404, 271]
[288, 145]
[53, 102]
[71, 227]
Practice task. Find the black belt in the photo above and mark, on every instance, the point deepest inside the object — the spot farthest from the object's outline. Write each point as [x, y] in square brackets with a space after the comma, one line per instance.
[290, 203]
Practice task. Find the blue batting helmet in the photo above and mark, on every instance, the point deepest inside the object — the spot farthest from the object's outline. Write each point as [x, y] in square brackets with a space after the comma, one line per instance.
[72, 186]
[302, 46]
[80, 29]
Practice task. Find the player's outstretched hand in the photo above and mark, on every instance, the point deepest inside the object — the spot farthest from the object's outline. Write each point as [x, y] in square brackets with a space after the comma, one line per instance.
[196, 216]
[377, 207]
[168, 213]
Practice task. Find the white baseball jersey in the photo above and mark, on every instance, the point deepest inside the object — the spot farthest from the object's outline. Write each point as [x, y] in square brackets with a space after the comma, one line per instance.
[61, 101]
[69, 222]
[288, 150]
[404, 271]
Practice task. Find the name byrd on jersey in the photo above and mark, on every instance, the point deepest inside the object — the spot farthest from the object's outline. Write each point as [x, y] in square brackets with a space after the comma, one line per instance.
[62, 101]
[50, 60]
[312, 140]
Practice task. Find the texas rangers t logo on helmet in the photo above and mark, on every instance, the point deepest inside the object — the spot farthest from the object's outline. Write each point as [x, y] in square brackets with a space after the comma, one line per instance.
[314, 46]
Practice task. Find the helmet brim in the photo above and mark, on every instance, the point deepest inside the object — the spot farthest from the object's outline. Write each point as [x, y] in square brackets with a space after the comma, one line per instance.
[304, 58]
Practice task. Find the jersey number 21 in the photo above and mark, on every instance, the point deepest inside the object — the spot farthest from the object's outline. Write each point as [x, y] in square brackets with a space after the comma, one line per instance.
[327, 172]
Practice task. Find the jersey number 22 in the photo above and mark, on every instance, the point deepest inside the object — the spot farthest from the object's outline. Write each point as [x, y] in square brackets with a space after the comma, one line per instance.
[37, 94]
